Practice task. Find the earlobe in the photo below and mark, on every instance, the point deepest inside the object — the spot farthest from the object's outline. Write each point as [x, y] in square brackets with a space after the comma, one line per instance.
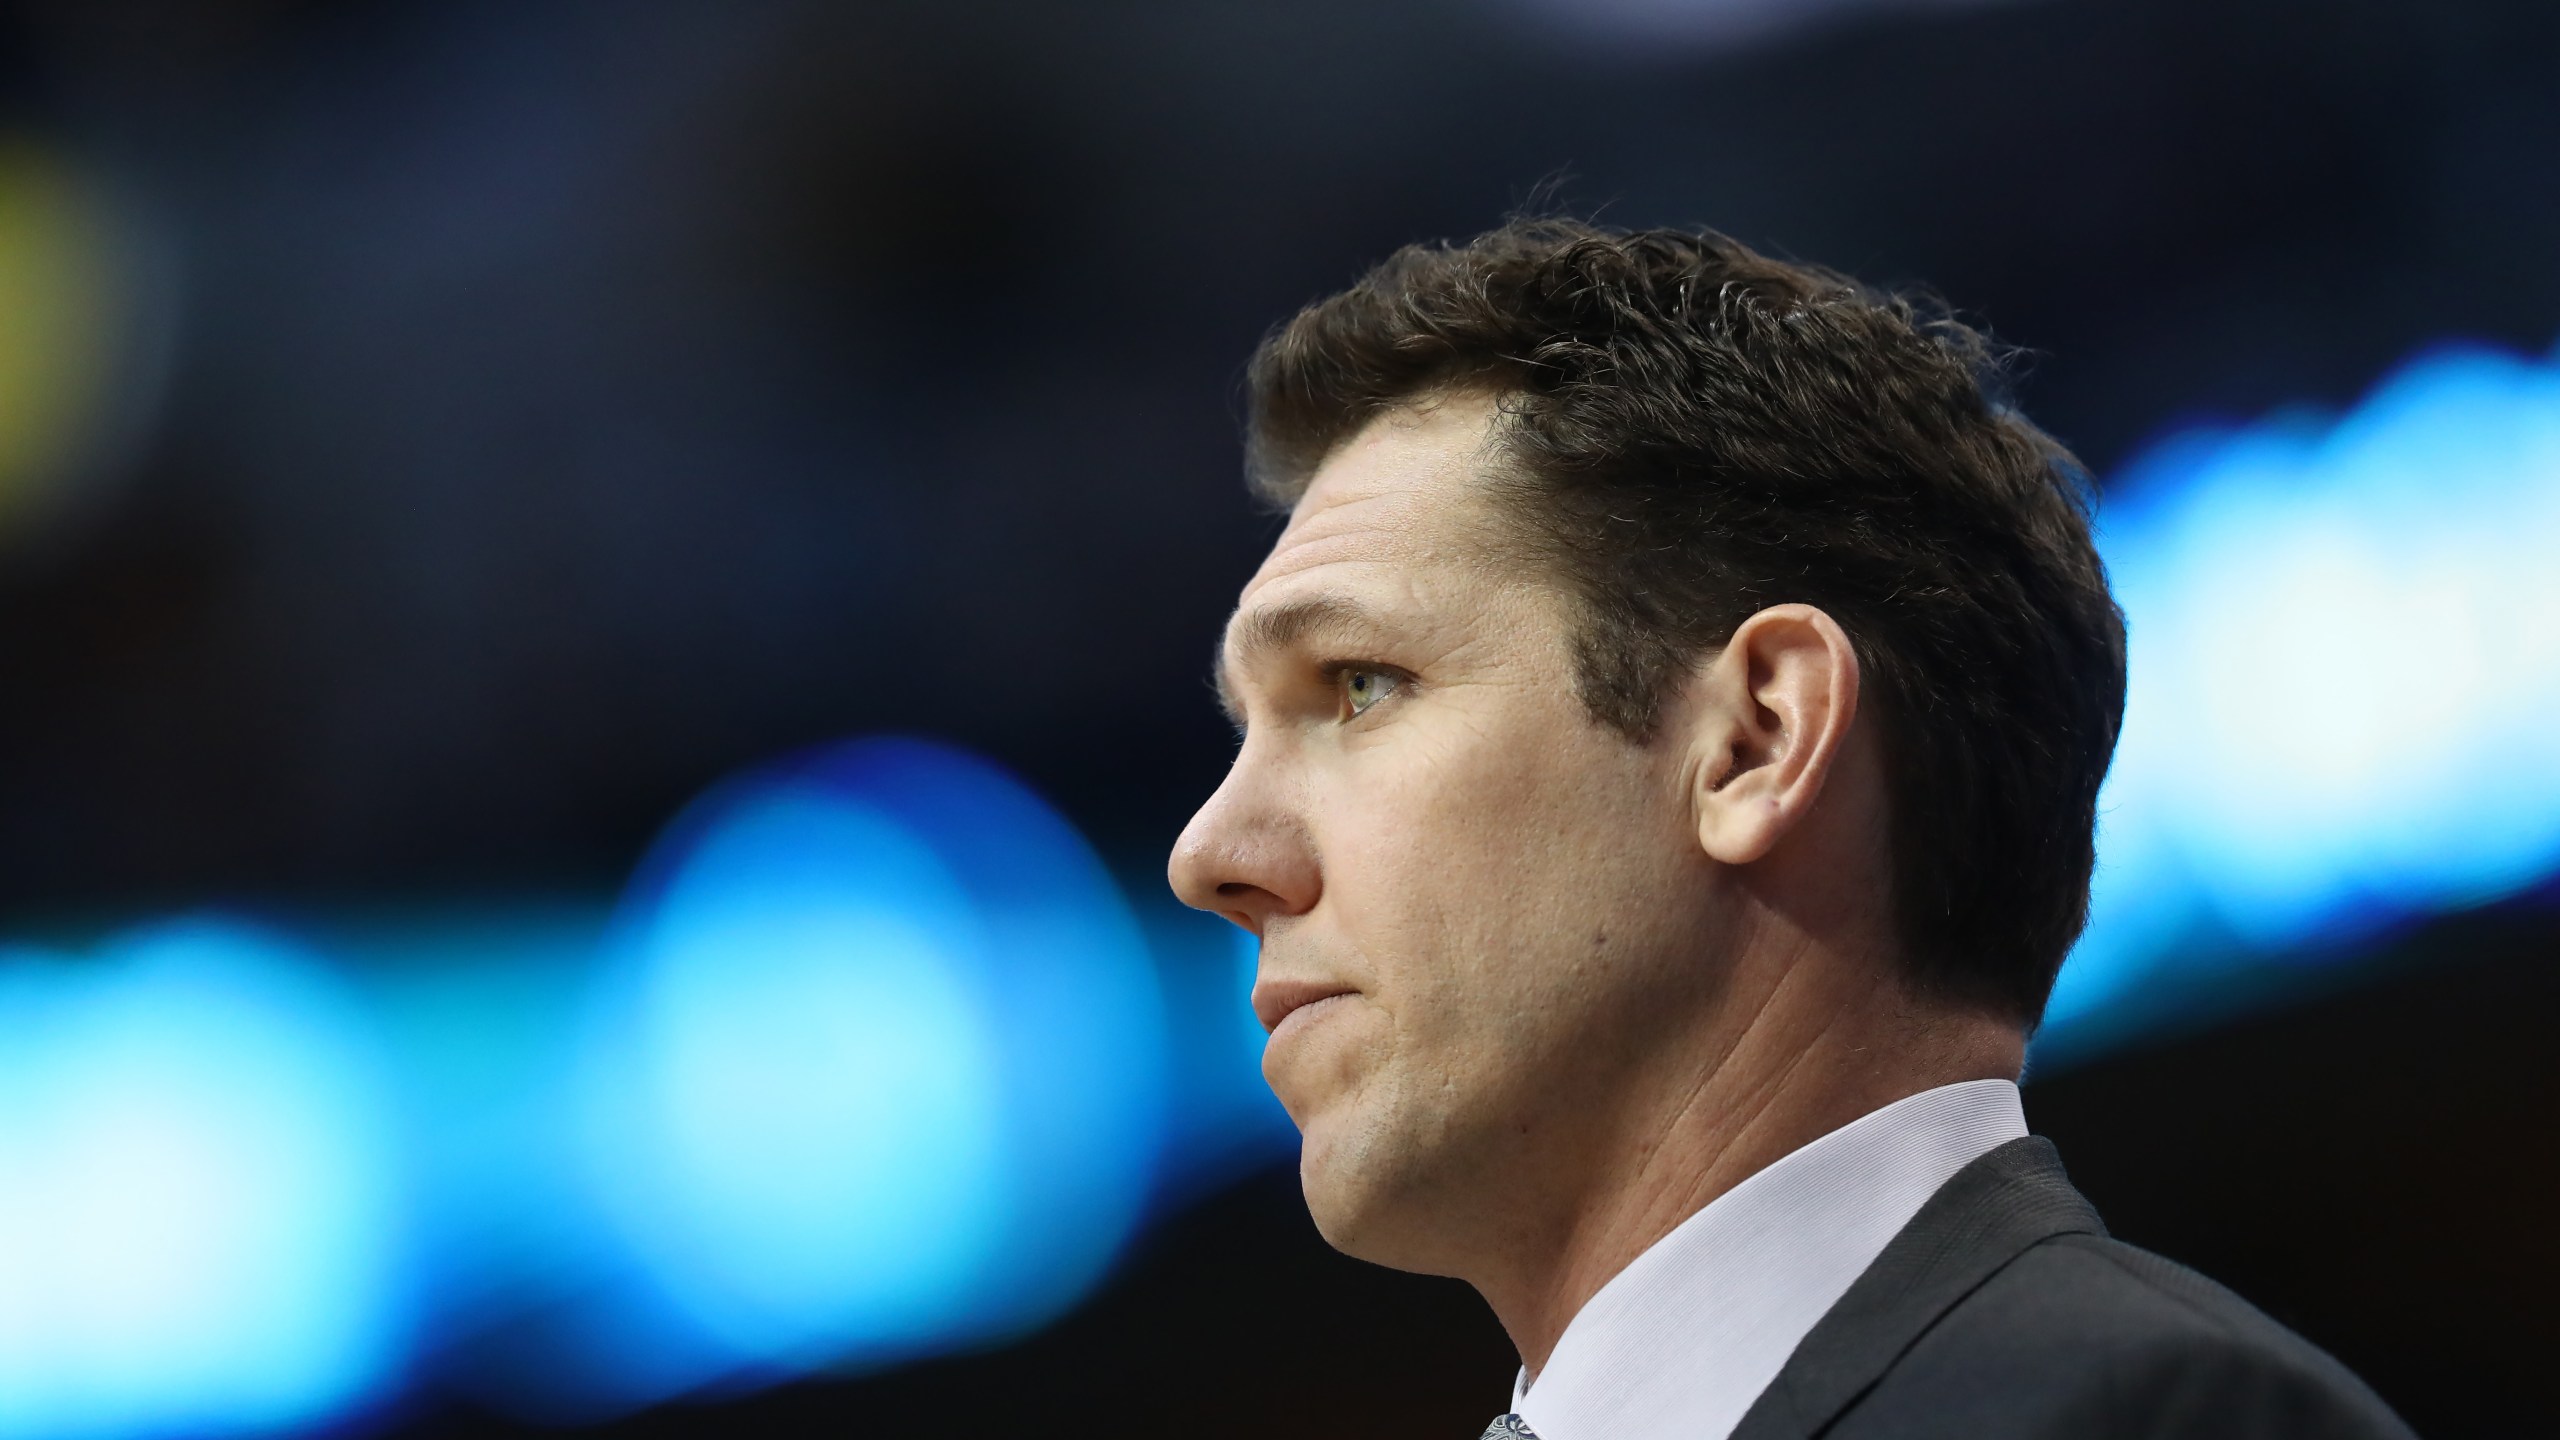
[1775, 707]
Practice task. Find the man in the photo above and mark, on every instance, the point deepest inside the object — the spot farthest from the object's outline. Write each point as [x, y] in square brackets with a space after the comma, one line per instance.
[1672, 725]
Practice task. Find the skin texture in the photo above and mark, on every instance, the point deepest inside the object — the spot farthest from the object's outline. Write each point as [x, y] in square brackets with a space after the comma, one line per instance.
[1540, 992]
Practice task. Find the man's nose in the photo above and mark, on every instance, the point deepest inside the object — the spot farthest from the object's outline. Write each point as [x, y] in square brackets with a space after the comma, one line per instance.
[1245, 859]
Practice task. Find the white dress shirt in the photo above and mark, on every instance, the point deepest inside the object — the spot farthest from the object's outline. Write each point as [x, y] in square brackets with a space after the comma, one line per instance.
[1681, 1342]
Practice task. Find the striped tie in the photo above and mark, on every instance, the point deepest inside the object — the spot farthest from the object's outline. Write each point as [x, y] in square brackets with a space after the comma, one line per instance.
[1509, 1427]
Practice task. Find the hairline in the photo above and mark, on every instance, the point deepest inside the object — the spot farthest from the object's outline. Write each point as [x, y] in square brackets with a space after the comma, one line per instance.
[1283, 489]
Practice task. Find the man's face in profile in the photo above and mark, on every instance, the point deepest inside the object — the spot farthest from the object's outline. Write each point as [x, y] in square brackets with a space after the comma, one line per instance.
[1476, 903]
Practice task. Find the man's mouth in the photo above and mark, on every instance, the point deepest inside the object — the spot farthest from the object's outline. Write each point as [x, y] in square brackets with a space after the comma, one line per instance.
[1274, 1001]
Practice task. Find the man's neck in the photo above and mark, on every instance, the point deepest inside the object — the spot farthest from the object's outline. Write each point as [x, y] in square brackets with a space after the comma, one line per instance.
[1798, 1066]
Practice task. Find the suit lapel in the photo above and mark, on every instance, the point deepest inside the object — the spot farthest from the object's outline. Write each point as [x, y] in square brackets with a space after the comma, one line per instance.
[1988, 1215]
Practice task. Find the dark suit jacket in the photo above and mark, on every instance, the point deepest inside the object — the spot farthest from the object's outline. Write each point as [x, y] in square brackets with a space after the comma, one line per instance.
[2004, 1310]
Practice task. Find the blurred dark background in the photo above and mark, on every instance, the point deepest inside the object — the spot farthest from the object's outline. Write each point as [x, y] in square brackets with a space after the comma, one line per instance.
[528, 414]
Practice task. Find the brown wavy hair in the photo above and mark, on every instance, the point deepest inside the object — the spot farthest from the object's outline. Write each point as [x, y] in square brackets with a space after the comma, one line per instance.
[1692, 432]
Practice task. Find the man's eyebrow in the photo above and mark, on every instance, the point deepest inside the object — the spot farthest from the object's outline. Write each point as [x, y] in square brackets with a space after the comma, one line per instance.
[1277, 627]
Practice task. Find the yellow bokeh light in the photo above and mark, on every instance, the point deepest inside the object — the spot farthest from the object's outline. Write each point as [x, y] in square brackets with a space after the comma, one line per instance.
[60, 314]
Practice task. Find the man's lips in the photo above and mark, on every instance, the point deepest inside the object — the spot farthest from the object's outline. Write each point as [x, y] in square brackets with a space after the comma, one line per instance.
[1274, 1000]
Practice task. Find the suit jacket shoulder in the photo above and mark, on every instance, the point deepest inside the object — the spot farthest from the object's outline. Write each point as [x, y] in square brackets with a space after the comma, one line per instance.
[2004, 1309]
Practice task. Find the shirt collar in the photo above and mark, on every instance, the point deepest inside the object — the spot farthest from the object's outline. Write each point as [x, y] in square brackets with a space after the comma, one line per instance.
[1682, 1340]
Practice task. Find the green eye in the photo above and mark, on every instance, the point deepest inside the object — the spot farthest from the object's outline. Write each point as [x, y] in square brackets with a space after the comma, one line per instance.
[1364, 688]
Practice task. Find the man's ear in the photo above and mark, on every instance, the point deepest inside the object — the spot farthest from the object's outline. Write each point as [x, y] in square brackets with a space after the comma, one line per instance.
[1776, 707]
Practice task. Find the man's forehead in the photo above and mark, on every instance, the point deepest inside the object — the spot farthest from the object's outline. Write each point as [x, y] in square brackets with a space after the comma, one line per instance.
[1335, 529]
[1402, 489]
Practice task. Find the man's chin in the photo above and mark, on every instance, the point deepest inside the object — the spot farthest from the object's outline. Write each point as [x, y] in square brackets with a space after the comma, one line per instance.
[1360, 1192]
[1346, 1225]
[1333, 1160]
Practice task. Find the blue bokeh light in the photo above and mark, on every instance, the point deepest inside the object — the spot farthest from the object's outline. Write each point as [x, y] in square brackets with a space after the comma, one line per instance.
[200, 1220]
[880, 1074]
[1074, 1002]
[2345, 656]
[815, 1121]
